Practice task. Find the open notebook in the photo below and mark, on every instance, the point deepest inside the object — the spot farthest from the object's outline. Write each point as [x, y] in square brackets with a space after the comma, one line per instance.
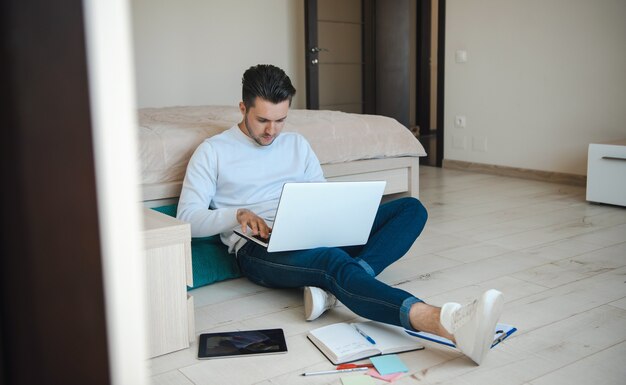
[346, 342]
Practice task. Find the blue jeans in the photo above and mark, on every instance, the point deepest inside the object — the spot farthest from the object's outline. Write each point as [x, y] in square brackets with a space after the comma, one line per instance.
[348, 272]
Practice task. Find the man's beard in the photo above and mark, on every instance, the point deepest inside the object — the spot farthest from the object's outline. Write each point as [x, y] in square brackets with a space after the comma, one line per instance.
[254, 137]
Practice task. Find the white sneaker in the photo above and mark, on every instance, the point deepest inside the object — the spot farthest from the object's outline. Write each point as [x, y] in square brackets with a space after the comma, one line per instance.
[473, 325]
[316, 302]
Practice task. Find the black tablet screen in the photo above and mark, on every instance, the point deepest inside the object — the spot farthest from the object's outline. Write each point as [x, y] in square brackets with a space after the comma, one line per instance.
[238, 343]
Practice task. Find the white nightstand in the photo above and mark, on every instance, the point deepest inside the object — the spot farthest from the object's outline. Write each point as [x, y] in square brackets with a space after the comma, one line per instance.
[168, 271]
[606, 173]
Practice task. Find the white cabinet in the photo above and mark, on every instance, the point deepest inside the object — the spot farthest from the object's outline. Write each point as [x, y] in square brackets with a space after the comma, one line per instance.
[606, 173]
[168, 272]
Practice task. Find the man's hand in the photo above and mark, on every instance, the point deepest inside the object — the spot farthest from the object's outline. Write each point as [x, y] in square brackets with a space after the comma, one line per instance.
[247, 218]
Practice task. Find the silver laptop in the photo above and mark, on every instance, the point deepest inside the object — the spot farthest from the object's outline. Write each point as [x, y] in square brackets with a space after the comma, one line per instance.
[323, 214]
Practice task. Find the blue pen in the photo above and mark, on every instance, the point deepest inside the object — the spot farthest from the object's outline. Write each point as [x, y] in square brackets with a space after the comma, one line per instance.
[370, 339]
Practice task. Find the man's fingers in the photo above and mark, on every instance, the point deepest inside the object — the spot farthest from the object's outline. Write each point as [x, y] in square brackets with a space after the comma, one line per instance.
[265, 230]
[257, 225]
[254, 227]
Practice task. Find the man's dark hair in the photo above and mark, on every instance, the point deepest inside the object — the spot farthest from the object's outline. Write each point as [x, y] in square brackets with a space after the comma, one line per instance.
[267, 82]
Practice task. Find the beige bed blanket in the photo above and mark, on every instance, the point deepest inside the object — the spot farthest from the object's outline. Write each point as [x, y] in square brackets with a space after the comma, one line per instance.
[168, 136]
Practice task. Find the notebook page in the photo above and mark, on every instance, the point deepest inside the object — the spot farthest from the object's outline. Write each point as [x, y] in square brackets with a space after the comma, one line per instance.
[389, 338]
[342, 339]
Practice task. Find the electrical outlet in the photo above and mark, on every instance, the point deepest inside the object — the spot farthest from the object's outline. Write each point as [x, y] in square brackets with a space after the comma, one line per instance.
[459, 121]
[479, 143]
[460, 56]
[458, 142]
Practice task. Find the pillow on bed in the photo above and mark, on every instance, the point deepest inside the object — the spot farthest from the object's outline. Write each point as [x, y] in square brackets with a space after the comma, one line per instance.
[210, 260]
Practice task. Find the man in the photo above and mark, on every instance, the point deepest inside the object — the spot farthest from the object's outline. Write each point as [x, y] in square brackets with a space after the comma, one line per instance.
[234, 180]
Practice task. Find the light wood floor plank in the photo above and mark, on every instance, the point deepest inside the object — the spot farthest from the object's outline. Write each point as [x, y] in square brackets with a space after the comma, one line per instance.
[583, 266]
[558, 303]
[174, 377]
[605, 367]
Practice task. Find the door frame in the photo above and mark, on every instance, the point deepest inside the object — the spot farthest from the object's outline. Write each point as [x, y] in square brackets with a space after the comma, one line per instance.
[424, 19]
[310, 45]
[441, 67]
[422, 62]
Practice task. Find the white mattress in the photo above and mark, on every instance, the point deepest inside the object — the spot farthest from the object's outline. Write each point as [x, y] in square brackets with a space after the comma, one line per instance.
[168, 136]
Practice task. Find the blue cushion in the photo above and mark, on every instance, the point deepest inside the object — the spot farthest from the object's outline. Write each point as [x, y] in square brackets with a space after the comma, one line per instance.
[210, 259]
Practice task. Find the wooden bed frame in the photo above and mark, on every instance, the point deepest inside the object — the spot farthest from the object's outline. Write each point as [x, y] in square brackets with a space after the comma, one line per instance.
[401, 174]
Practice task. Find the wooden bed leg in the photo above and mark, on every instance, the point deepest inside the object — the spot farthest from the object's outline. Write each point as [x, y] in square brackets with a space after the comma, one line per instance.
[414, 178]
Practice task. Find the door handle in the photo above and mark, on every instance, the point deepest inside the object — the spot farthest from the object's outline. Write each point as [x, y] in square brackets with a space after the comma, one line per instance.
[318, 49]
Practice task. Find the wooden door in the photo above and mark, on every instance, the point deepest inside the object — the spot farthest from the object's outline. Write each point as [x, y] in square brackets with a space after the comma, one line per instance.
[334, 55]
[392, 27]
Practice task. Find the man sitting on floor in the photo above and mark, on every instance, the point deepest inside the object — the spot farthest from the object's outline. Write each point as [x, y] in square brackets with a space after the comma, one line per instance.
[234, 180]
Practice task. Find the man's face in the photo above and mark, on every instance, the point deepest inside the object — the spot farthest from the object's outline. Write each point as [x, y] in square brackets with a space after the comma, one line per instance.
[264, 121]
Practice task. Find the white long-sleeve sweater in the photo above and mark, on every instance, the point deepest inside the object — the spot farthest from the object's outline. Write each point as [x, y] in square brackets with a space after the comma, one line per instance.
[230, 171]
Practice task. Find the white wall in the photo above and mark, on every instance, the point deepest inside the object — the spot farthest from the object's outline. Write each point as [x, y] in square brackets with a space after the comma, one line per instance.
[544, 78]
[194, 52]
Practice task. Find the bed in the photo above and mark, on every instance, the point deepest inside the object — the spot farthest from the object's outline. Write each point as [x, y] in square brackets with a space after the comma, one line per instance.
[349, 147]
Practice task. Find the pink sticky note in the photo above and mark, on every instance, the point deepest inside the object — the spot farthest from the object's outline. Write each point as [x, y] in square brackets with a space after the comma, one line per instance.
[389, 377]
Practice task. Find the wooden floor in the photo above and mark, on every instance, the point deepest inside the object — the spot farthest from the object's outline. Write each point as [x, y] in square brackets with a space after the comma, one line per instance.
[560, 262]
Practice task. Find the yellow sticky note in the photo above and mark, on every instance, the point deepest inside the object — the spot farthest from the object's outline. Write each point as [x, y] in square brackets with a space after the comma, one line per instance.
[359, 379]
